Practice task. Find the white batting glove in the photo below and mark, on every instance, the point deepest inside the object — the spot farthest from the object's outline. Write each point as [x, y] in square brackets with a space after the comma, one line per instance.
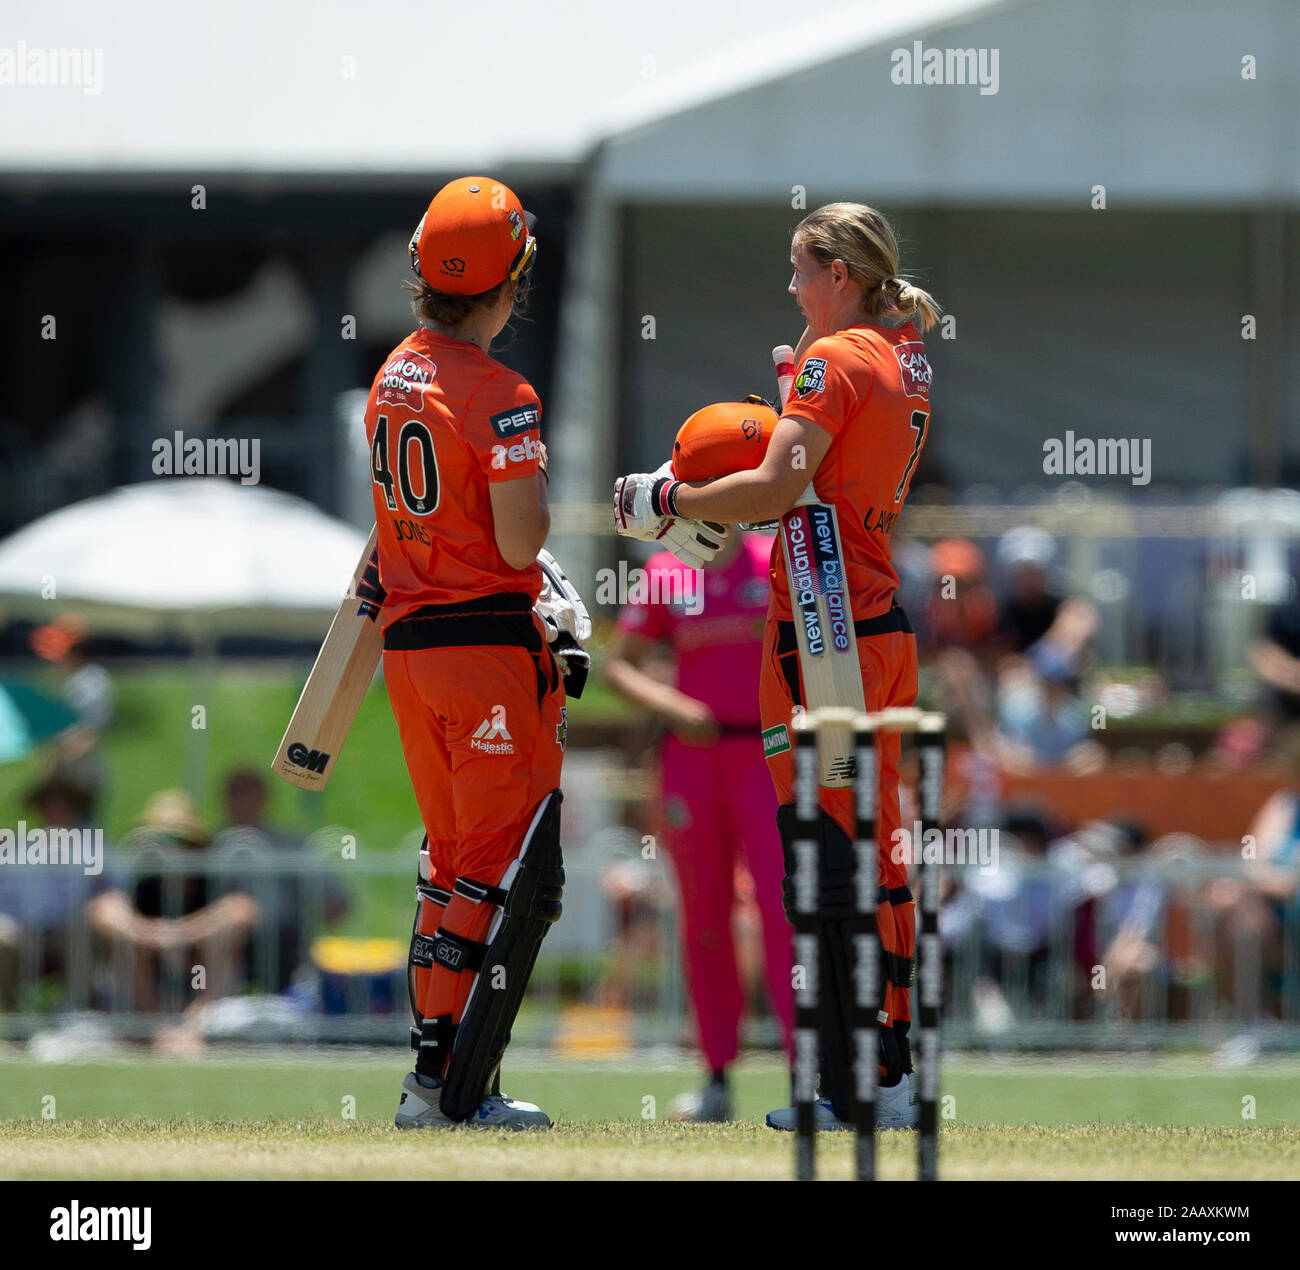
[639, 508]
[567, 622]
[695, 542]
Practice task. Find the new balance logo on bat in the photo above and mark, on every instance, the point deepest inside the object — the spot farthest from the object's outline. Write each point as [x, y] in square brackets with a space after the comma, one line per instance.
[313, 760]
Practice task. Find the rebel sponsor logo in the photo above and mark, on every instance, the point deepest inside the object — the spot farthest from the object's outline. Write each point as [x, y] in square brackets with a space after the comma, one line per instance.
[510, 423]
[915, 366]
[504, 455]
[403, 380]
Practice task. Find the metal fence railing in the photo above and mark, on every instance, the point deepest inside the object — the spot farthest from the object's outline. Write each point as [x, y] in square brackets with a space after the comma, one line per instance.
[1175, 946]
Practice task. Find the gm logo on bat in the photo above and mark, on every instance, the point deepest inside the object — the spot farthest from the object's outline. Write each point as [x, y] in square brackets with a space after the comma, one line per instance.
[313, 760]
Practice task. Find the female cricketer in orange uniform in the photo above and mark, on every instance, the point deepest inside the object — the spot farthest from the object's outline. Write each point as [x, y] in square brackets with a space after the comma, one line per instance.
[458, 476]
[857, 419]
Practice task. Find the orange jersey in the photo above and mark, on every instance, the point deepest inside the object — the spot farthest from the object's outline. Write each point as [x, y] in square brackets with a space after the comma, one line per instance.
[869, 387]
[445, 421]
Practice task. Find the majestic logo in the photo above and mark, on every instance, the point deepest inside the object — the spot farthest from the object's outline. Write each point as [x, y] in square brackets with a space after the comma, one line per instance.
[403, 380]
[812, 378]
[454, 267]
[516, 225]
[915, 367]
[491, 736]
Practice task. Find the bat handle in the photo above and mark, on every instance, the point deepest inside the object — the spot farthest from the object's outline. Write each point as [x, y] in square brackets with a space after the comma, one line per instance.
[783, 360]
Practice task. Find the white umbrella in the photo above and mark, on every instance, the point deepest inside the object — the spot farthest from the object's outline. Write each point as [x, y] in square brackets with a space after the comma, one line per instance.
[200, 556]
[204, 556]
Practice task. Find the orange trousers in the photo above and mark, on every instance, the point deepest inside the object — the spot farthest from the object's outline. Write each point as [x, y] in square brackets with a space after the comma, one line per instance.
[483, 732]
[889, 678]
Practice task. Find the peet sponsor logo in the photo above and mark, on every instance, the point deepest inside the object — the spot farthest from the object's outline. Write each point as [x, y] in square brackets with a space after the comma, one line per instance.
[511, 422]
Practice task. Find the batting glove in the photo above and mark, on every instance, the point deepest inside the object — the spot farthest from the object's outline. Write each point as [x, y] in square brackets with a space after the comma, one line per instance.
[567, 622]
[642, 506]
[695, 542]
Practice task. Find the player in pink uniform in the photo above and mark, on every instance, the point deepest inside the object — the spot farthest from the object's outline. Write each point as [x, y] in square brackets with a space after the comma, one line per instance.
[718, 798]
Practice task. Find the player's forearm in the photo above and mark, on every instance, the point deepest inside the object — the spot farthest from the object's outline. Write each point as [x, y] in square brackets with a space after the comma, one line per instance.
[632, 683]
[741, 498]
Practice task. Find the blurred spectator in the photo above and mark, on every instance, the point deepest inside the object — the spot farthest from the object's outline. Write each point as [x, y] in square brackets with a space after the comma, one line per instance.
[293, 904]
[1275, 658]
[961, 610]
[168, 926]
[1016, 906]
[1259, 913]
[41, 902]
[1029, 602]
[1147, 922]
[87, 691]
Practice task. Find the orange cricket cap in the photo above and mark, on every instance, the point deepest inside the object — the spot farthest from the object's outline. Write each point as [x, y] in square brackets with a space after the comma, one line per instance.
[474, 235]
[731, 436]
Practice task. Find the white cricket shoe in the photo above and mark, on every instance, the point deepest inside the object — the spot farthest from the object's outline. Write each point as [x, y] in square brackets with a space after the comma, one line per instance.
[896, 1108]
[899, 1107]
[824, 1118]
[419, 1109]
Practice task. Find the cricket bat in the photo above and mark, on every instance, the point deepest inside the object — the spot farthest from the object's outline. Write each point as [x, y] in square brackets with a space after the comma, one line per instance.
[823, 616]
[338, 681]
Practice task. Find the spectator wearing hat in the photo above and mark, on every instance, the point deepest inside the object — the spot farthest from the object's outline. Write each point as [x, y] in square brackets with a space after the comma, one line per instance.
[41, 903]
[293, 904]
[169, 922]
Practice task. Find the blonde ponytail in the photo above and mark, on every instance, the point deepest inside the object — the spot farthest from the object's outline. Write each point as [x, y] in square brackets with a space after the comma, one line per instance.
[862, 238]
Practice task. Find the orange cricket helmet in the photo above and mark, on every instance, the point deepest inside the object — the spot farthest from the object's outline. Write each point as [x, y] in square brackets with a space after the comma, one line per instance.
[730, 436]
[474, 235]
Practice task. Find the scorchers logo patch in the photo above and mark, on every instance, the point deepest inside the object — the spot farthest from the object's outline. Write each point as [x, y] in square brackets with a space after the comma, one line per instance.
[403, 380]
[915, 367]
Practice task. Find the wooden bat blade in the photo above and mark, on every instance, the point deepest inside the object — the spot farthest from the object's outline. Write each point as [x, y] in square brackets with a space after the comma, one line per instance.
[335, 688]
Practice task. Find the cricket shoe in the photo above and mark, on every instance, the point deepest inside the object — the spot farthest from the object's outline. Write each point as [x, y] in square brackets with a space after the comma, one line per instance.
[899, 1107]
[710, 1105]
[824, 1118]
[419, 1109]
